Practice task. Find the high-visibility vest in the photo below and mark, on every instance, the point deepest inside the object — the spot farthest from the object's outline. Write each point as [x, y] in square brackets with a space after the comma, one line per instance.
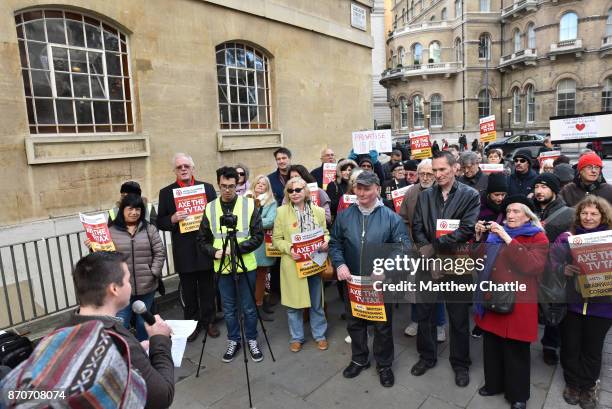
[243, 209]
[112, 213]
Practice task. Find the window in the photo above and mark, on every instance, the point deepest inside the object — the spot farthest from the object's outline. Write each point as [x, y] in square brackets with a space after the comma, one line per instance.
[412, 9]
[458, 50]
[517, 40]
[395, 22]
[484, 47]
[458, 8]
[418, 112]
[393, 59]
[568, 28]
[417, 53]
[444, 14]
[566, 97]
[435, 110]
[403, 113]
[485, 5]
[434, 52]
[530, 104]
[243, 86]
[531, 37]
[432, 18]
[609, 23]
[404, 16]
[516, 105]
[401, 53]
[606, 96]
[484, 103]
[75, 72]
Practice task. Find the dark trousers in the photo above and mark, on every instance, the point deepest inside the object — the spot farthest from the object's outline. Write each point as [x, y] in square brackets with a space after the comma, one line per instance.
[275, 277]
[459, 331]
[383, 337]
[507, 367]
[199, 296]
[551, 337]
[582, 339]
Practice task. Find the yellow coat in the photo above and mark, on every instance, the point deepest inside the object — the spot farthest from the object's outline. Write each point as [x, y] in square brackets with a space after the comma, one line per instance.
[294, 290]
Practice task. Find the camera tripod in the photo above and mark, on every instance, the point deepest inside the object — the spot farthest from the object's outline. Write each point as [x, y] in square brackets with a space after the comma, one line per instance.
[234, 261]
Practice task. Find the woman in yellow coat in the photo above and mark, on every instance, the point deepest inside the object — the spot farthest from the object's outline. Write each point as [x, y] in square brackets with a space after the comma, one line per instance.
[299, 215]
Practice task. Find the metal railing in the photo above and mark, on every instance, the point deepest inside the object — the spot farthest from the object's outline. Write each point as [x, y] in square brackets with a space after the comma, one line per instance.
[36, 276]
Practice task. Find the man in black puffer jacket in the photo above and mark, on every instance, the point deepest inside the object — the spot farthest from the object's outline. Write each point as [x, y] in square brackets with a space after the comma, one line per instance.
[452, 202]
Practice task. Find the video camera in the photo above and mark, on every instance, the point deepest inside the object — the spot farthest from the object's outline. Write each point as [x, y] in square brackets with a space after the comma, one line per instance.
[228, 220]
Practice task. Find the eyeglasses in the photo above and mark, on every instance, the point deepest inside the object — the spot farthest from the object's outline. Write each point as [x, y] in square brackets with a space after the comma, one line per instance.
[296, 190]
[227, 187]
[179, 167]
[241, 173]
[426, 175]
[520, 160]
[366, 166]
[592, 167]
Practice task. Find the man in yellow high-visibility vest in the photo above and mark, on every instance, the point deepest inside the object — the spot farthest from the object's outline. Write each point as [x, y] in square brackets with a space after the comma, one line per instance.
[249, 234]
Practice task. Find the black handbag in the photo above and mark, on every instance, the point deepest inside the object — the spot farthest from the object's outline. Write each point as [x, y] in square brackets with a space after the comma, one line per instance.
[14, 349]
[500, 302]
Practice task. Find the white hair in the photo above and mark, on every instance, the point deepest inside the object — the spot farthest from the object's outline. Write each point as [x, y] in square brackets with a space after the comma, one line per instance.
[423, 163]
[530, 214]
[182, 155]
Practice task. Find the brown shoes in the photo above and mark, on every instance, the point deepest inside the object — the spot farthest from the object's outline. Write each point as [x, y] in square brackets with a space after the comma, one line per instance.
[295, 347]
[322, 345]
[213, 331]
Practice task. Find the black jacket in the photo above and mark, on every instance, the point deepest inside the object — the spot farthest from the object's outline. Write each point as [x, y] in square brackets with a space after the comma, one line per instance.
[187, 257]
[335, 191]
[561, 222]
[317, 173]
[521, 184]
[463, 203]
[478, 182]
[256, 232]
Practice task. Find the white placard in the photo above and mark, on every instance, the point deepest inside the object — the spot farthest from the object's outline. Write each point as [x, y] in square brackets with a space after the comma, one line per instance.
[378, 140]
[583, 127]
[358, 17]
[491, 167]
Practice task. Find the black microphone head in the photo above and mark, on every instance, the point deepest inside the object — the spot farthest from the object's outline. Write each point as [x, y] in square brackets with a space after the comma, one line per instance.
[139, 307]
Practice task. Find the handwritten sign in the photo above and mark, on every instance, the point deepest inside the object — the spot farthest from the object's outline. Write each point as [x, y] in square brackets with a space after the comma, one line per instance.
[378, 140]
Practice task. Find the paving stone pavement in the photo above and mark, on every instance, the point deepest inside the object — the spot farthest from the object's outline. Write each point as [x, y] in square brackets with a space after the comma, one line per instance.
[313, 379]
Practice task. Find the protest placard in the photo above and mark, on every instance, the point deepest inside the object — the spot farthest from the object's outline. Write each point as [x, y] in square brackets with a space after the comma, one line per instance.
[487, 129]
[306, 244]
[271, 251]
[378, 140]
[329, 174]
[96, 230]
[366, 303]
[446, 226]
[548, 155]
[398, 197]
[592, 252]
[314, 193]
[420, 145]
[491, 168]
[350, 199]
[191, 199]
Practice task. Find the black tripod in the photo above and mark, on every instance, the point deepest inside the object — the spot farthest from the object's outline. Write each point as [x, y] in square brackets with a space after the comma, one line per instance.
[234, 261]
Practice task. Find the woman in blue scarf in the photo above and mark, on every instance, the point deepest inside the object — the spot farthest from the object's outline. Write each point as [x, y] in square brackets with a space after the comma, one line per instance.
[588, 320]
[515, 252]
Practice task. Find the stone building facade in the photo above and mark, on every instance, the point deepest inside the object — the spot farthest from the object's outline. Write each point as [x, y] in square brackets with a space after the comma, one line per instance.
[94, 93]
[449, 62]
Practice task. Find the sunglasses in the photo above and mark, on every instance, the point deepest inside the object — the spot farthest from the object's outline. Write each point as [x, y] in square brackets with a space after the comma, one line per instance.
[296, 190]
[241, 174]
[520, 160]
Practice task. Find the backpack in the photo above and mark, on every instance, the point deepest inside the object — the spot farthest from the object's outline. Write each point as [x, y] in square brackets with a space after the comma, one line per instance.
[14, 349]
[84, 366]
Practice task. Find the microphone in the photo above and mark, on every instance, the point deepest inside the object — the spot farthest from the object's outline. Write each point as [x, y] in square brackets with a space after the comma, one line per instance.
[139, 307]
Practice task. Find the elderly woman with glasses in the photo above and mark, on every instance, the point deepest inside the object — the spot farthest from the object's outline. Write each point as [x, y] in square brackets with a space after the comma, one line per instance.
[299, 215]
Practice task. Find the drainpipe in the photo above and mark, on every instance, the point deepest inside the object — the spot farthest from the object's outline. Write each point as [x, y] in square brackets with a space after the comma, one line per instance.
[463, 62]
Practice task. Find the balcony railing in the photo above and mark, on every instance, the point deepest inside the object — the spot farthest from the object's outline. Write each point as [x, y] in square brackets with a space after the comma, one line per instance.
[36, 277]
[573, 46]
[518, 7]
[415, 28]
[526, 56]
[443, 68]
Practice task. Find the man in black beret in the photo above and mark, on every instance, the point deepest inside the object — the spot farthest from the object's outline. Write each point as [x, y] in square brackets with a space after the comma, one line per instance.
[410, 170]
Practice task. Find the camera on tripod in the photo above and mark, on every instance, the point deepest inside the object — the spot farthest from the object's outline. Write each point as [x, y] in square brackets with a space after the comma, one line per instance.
[228, 220]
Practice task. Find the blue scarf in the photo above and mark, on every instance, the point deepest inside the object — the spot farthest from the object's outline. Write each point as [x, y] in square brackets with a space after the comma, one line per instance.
[494, 244]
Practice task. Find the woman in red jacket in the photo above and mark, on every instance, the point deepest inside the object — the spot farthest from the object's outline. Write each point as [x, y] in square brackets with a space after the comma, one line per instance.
[516, 252]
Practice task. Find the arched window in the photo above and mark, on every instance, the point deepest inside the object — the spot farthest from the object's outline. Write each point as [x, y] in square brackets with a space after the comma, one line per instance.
[418, 112]
[485, 5]
[484, 103]
[244, 87]
[530, 104]
[403, 103]
[457, 8]
[432, 18]
[568, 27]
[516, 105]
[395, 22]
[609, 23]
[606, 96]
[401, 53]
[517, 40]
[444, 14]
[484, 47]
[434, 52]
[531, 36]
[404, 17]
[412, 9]
[566, 97]
[417, 53]
[435, 110]
[393, 59]
[458, 50]
[76, 73]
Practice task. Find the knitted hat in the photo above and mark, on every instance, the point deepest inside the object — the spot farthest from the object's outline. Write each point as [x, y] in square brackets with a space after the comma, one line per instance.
[131, 187]
[589, 159]
[523, 153]
[549, 180]
[564, 172]
[518, 198]
[411, 165]
[498, 182]
[363, 160]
